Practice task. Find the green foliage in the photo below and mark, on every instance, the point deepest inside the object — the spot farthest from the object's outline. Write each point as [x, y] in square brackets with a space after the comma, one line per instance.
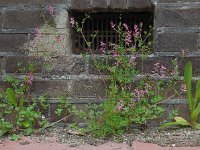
[5, 127]
[192, 101]
[64, 108]
[130, 100]
[18, 109]
[14, 137]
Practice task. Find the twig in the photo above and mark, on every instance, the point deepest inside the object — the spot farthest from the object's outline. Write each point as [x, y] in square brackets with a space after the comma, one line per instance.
[52, 124]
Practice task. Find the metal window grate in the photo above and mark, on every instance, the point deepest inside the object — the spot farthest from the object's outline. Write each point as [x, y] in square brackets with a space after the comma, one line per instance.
[100, 22]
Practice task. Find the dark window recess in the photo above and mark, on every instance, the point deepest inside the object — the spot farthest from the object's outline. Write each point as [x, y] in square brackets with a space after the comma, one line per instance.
[100, 22]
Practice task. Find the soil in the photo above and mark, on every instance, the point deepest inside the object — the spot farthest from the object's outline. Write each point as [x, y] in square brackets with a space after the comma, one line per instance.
[173, 137]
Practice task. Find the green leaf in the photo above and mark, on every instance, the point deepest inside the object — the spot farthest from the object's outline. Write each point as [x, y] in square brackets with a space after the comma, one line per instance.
[21, 102]
[197, 94]
[195, 113]
[14, 137]
[181, 121]
[197, 126]
[2, 133]
[26, 124]
[169, 124]
[28, 131]
[5, 127]
[188, 81]
[11, 96]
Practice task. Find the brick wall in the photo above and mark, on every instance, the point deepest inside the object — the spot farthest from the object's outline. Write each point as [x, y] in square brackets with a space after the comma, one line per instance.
[176, 22]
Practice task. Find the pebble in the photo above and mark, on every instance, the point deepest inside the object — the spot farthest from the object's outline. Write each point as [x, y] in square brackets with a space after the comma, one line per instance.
[173, 145]
[24, 143]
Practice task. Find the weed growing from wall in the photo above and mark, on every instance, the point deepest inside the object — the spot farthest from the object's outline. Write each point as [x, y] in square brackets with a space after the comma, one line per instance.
[130, 100]
[19, 111]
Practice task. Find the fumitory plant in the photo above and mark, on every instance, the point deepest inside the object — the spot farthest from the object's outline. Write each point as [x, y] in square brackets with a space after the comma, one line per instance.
[130, 100]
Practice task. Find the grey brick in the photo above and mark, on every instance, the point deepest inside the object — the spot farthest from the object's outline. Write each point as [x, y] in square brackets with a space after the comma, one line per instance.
[53, 88]
[168, 17]
[139, 4]
[118, 4]
[13, 42]
[90, 88]
[176, 1]
[80, 4]
[11, 64]
[1, 19]
[67, 65]
[174, 42]
[1, 66]
[97, 4]
[32, 2]
[22, 19]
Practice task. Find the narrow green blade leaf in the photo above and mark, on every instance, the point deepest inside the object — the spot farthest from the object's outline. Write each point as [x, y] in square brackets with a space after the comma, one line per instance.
[195, 113]
[11, 96]
[169, 124]
[188, 82]
[21, 102]
[197, 94]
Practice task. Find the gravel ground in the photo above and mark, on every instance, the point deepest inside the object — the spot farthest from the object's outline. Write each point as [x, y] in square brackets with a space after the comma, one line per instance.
[169, 137]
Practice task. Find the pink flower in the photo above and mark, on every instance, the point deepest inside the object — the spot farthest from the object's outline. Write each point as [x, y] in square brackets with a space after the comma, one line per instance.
[132, 60]
[129, 87]
[147, 88]
[128, 38]
[126, 26]
[183, 88]
[138, 94]
[58, 38]
[102, 47]
[159, 69]
[114, 53]
[72, 21]
[173, 72]
[120, 105]
[128, 35]
[112, 25]
[136, 30]
[116, 63]
[163, 68]
[112, 45]
[50, 9]
[30, 78]
[37, 32]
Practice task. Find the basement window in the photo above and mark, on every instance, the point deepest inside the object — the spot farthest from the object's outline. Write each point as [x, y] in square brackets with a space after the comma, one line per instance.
[100, 23]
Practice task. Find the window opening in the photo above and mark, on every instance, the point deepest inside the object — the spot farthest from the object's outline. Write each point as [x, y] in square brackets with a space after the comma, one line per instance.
[100, 22]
